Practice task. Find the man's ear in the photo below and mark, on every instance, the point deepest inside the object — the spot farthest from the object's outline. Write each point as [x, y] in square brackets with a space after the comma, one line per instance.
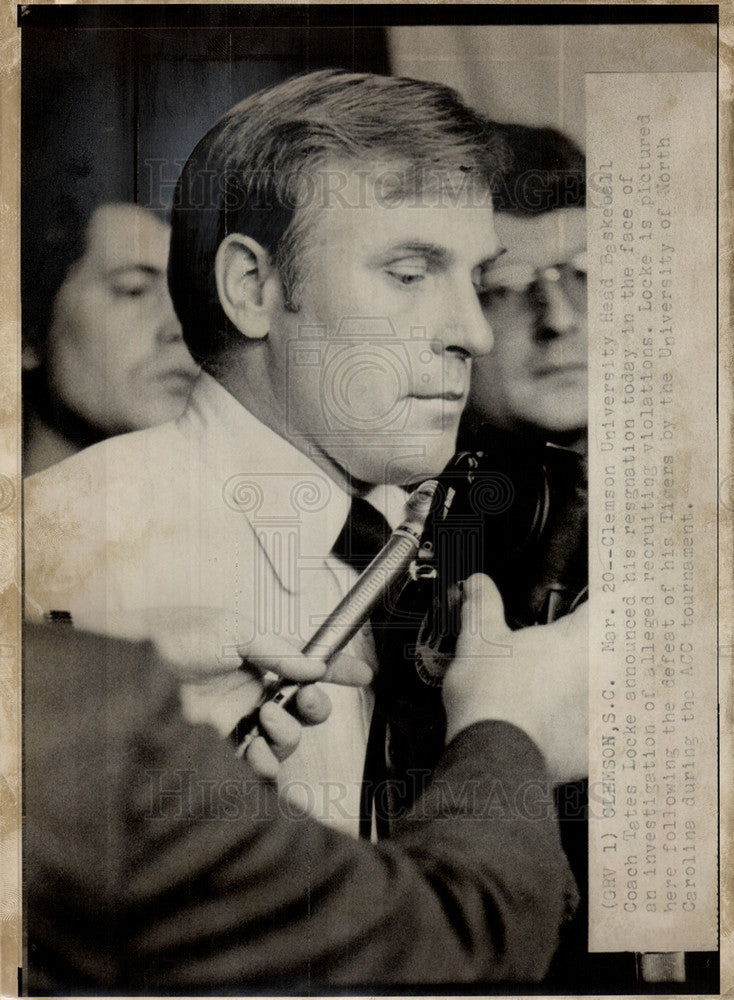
[242, 269]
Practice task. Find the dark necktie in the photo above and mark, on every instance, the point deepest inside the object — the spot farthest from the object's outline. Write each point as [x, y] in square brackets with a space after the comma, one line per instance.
[364, 533]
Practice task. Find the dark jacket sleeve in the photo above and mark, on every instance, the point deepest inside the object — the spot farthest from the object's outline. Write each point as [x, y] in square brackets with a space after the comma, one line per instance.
[156, 862]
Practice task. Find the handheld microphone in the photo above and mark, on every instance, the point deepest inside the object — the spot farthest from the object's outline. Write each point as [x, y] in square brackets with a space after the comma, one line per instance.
[355, 607]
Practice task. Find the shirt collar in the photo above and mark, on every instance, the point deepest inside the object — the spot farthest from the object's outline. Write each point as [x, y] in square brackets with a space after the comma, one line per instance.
[279, 488]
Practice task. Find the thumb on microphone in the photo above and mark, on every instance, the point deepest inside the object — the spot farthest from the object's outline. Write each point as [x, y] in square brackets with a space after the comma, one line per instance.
[482, 611]
[483, 654]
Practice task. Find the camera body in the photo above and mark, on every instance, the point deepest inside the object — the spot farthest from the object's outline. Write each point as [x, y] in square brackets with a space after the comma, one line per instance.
[513, 509]
[517, 511]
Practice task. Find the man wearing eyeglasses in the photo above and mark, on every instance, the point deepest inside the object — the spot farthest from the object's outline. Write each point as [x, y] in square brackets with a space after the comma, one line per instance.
[531, 392]
[534, 381]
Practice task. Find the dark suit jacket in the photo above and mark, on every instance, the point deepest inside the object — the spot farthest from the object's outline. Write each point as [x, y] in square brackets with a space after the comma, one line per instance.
[156, 862]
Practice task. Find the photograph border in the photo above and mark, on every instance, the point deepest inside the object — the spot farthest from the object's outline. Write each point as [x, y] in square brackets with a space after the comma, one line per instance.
[165, 14]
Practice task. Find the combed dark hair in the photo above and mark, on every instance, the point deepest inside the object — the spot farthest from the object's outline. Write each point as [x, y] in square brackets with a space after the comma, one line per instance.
[255, 171]
[547, 170]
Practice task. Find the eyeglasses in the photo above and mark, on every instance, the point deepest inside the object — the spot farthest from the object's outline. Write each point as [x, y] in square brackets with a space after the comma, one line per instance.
[513, 286]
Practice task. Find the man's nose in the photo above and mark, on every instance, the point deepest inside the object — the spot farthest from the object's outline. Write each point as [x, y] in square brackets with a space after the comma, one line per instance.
[169, 328]
[467, 327]
[556, 315]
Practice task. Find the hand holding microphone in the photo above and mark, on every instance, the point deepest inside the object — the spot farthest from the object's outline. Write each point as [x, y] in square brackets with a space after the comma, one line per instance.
[355, 607]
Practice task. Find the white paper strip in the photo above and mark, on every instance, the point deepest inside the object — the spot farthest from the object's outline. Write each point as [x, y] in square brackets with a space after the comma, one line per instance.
[652, 308]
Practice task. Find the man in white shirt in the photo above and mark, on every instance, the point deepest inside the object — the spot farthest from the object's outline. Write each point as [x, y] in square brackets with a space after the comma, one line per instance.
[331, 241]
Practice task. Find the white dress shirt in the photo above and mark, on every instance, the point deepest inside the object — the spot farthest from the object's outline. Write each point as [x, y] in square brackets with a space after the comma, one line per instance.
[212, 510]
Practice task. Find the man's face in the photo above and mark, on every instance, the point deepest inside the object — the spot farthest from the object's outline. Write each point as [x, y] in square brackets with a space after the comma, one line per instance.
[374, 369]
[115, 355]
[536, 374]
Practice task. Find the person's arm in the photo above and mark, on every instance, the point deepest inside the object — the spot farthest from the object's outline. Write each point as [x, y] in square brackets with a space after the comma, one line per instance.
[158, 862]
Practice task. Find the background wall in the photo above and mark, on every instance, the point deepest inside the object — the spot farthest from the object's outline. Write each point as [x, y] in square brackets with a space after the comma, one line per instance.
[110, 110]
[112, 113]
[534, 73]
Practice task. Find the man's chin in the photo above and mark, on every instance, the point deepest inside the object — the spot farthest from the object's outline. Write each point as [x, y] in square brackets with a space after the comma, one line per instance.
[397, 460]
[558, 424]
[409, 470]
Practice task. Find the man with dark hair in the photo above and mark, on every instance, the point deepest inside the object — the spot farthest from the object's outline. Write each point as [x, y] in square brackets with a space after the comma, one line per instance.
[332, 238]
[529, 392]
[533, 382]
